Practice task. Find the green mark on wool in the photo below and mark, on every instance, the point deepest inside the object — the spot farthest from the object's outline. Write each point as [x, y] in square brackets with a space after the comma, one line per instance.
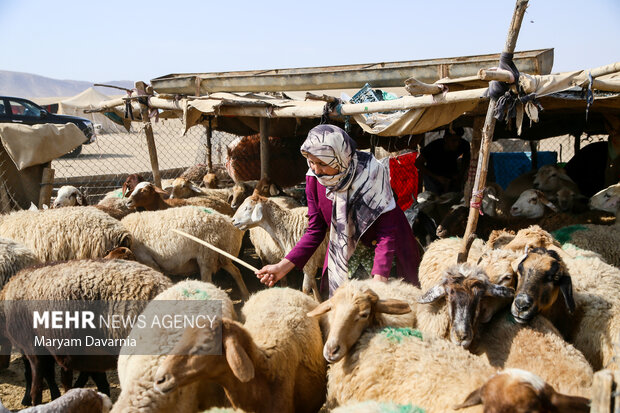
[203, 209]
[388, 407]
[195, 294]
[565, 234]
[118, 193]
[397, 334]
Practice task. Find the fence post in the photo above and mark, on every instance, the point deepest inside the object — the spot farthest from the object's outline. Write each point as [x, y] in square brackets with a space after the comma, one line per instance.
[148, 131]
[208, 154]
[264, 148]
[47, 184]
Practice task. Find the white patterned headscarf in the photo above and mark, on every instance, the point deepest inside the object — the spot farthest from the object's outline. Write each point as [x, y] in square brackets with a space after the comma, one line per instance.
[360, 192]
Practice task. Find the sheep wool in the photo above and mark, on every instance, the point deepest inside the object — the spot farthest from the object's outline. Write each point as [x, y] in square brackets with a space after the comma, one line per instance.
[136, 373]
[65, 233]
[13, 257]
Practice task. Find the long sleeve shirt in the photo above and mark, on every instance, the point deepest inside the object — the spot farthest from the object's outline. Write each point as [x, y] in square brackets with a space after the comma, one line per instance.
[389, 235]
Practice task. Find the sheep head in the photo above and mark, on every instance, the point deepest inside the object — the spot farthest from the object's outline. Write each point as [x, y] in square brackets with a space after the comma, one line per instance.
[145, 195]
[210, 180]
[471, 299]
[353, 308]
[531, 204]
[542, 277]
[250, 213]
[184, 188]
[454, 223]
[550, 178]
[516, 390]
[195, 357]
[130, 183]
[69, 196]
[607, 200]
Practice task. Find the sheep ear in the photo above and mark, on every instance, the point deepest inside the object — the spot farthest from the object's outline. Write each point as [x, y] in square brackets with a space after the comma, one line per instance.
[432, 295]
[81, 200]
[125, 190]
[257, 213]
[238, 360]
[230, 198]
[545, 201]
[516, 262]
[320, 309]
[473, 399]
[160, 191]
[496, 290]
[566, 288]
[392, 306]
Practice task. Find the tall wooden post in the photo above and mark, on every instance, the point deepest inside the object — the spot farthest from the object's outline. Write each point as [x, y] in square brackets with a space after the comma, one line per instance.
[474, 150]
[209, 156]
[47, 184]
[148, 131]
[264, 148]
[487, 138]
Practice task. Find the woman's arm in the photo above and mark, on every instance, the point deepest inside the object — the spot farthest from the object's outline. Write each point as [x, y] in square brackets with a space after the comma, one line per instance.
[385, 236]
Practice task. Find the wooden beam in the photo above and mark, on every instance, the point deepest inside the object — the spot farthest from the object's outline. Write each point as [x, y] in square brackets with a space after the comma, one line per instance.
[209, 155]
[500, 75]
[264, 148]
[487, 138]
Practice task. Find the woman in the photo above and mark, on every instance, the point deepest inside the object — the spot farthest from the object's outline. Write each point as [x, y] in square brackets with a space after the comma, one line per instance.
[349, 192]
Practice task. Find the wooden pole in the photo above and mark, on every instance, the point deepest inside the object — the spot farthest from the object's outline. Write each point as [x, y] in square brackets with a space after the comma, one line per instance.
[500, 75]
[474, 150]
[47, 184]
[264, 148]
[415, 87]
[209, 136]
[150, 138]
[487, 138]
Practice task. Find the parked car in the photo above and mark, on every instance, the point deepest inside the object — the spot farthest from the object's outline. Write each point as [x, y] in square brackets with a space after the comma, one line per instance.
[19, 110]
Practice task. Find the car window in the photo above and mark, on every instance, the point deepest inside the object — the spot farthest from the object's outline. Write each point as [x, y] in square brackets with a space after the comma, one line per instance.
[2, 111]
[21, 108]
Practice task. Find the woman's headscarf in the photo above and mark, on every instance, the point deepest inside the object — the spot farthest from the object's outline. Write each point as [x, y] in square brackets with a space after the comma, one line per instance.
[360, 193]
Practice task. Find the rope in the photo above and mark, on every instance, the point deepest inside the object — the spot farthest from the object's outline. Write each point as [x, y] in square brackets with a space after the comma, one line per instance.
[589, 94]
[476, 200]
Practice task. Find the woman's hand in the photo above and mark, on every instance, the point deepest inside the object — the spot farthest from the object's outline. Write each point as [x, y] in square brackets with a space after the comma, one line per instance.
[378, 277]
[271, 274]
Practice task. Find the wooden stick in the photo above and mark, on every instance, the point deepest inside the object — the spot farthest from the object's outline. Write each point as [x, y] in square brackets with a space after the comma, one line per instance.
[487, 136]
[216, 249]
[415, 87]
[114, 87]
[500, 75]
[47, 184]
[324, 98]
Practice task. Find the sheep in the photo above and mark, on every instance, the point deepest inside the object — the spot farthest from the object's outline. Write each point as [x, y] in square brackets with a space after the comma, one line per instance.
[455, 222]
[516, 188]
[551, 178]
[607, 200]
[13, 257]
[286, 227]
[271, 363]
[404, 366]
[148, 196]
[120, 253]
[360, 304]
[473, 303]
[210, 180]
[137, 372]
[81, 280]
[65, 233]
[602, 239]
[423, 226]
[71, 196]
[531, 204]
[516, 390]
[184, 188]
[241, 190]
[587, 316]
[195, 173]
[156, 246]
[73, 401]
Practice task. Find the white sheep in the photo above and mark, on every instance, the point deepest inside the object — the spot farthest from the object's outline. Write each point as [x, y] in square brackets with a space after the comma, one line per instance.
[286, 227]
[65, 233]
[607, 199]
[271, 363]
[403, 366]
[71, 196]
[73, 401]
[184, 188]
[13, 257]
[155, 245]
[79, 280]
[360, 304]
[136, 372]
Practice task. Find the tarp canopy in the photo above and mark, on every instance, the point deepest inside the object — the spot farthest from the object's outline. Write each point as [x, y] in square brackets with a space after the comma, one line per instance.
[87, 99]
[29, 145]
[558, 92]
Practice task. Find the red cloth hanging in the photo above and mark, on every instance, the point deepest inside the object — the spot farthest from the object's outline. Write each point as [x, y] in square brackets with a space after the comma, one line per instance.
[404, 178]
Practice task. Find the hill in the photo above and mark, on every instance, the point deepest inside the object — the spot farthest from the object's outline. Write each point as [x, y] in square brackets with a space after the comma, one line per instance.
[32, 86]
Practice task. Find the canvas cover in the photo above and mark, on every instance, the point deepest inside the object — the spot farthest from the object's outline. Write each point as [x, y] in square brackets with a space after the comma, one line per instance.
[37, 144]
[89, 99]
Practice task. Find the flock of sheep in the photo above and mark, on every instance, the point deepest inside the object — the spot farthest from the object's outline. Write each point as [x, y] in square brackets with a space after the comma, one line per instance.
[524, 323]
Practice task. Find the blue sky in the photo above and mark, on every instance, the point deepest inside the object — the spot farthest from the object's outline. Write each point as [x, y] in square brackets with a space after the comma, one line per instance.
[132, 40]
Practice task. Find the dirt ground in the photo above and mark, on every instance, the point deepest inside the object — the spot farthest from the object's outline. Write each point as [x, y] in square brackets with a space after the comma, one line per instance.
[12, 384]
